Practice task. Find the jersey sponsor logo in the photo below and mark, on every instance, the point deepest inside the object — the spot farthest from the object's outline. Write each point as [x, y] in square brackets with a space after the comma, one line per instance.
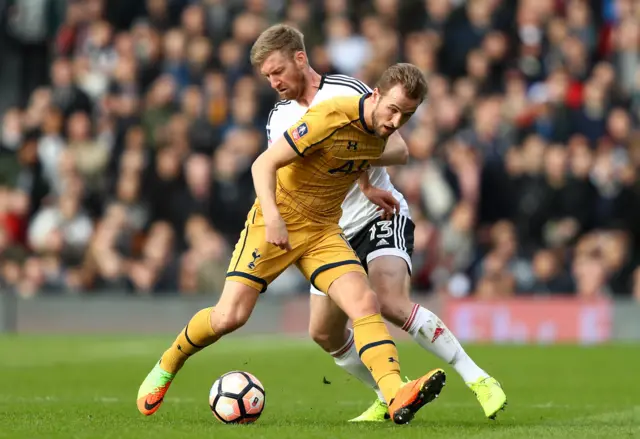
[300, 132]
[382, 242]
[348, 167]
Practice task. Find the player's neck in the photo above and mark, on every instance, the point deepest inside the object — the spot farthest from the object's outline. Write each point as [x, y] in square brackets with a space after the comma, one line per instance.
[312, 79]
[367, 109]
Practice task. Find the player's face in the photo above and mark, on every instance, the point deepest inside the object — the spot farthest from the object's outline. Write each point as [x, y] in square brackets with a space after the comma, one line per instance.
[285, 74]
[392, 110]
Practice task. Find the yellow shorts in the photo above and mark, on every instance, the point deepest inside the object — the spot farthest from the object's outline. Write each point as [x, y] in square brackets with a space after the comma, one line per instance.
[320, 252]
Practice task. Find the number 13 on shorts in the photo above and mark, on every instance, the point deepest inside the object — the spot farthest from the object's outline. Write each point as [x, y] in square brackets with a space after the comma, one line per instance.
[381, 230]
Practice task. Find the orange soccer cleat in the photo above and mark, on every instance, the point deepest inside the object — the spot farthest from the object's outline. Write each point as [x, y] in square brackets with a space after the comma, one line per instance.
[412, 396]
[152, 391]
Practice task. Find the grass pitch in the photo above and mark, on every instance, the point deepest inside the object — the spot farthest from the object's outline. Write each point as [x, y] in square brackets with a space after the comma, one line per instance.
[85, 387]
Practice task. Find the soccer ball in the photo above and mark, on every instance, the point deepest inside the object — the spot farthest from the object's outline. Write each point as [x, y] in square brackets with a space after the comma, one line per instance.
[237, 398]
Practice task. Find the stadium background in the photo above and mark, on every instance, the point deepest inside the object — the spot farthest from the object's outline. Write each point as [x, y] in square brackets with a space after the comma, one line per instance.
[128, 127]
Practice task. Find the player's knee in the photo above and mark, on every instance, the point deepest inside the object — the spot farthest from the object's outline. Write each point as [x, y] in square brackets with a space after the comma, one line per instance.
[230, 322]
[233, 308]
[229, 318]
[321, 338]
[329, 340]
[354, 296]
[367, 302]
[327, 324]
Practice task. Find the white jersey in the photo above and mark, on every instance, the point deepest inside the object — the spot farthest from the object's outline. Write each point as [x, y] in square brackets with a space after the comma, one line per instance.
[357, 210]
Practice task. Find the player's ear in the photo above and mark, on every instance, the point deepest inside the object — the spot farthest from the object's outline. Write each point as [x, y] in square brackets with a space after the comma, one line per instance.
[300, 58]
[375, 95]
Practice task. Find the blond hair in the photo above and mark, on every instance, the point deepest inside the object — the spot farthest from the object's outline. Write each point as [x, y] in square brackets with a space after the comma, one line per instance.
[409, 76]
[280, 37]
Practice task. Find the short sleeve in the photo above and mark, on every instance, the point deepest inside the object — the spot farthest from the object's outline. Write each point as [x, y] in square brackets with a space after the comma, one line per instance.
[277, 121]
[316, 126]
[273, 133]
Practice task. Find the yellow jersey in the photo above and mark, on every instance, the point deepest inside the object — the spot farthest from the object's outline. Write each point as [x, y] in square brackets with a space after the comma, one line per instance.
[335, 146]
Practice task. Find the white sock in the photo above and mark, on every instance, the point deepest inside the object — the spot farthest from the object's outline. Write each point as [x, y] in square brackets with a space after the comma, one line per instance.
[433, 335]
[347, 358]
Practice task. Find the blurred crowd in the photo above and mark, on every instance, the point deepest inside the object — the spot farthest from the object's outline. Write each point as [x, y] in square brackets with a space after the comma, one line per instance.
[129, 127]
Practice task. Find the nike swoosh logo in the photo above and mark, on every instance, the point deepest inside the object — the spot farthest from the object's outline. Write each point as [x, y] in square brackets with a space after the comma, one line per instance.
[148, 406]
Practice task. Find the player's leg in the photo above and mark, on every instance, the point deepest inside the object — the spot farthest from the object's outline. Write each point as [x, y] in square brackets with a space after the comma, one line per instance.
[328, 328]
[387, 254]
[390, 280]
[327, 323]
[254, 264]
[333, 267]
[376, 348]
[206, 327]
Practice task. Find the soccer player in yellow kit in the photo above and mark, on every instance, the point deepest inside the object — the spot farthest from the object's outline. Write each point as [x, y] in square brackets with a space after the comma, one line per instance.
[301, 182]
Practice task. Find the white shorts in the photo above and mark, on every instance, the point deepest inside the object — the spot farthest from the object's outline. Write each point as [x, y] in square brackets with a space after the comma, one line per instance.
[378, 238]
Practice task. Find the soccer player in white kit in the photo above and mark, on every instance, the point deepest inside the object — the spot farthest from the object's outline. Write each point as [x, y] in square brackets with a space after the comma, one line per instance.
[384, 246]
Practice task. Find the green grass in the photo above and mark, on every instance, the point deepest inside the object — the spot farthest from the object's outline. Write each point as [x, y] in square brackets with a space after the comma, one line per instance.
[82, 387]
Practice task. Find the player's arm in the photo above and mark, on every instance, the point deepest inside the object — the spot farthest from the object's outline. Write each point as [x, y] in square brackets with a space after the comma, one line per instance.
[395, 153]
[263, 170]
[385, 200]
[307, 135]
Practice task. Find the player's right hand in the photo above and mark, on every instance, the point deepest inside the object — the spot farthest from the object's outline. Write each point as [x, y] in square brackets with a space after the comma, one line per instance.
[277, 234]
[386, 202]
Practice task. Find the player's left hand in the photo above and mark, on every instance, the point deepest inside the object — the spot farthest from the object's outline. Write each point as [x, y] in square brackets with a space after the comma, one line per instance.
[385, 201]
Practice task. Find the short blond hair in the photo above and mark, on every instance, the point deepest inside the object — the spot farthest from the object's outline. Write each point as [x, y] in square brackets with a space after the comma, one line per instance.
[409, 76]
[280, 37]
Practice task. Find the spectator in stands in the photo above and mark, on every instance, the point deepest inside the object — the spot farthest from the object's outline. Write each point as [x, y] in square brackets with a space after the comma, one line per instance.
[129, 169]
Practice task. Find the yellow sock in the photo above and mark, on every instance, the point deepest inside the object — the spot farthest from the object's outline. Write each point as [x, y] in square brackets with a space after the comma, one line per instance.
[378, 352]
[197, 335]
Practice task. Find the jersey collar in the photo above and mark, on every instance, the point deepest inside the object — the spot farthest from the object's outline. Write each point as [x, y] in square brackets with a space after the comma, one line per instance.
[361, 110]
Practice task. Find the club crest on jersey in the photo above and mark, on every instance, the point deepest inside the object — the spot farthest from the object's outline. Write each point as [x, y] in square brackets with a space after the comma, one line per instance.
[300, 132]
[256, 255]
